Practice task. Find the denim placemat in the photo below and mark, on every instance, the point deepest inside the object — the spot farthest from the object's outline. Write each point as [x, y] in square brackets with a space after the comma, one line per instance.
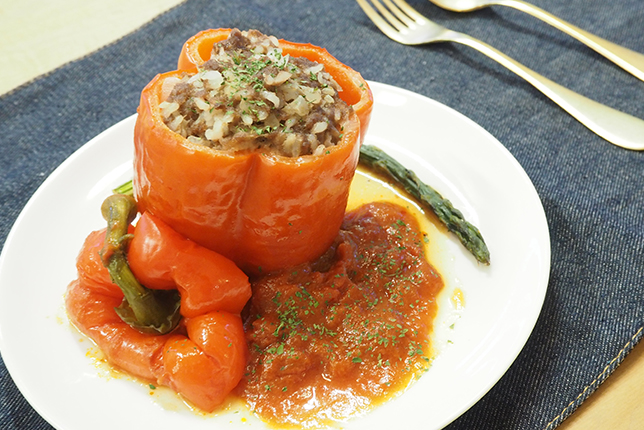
[593, 192]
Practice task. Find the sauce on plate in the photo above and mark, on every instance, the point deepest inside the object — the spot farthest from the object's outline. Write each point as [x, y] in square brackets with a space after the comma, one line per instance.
[333, 338]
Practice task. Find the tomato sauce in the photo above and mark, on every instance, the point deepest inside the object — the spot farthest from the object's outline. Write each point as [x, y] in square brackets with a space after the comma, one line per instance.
[331, 339]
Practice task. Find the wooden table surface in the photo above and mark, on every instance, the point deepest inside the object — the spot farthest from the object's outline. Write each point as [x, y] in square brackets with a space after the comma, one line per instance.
[37, 36]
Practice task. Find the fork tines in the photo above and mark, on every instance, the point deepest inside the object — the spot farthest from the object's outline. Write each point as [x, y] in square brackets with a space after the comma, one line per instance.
[398, 16]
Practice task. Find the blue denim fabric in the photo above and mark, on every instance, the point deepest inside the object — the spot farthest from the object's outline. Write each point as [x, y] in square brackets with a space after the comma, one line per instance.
[593, 192]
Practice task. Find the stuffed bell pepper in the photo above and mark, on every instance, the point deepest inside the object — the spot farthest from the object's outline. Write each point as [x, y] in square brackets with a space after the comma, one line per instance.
[250, 147]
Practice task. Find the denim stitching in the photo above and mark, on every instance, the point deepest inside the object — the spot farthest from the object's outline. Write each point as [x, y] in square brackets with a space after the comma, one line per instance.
[612, 365]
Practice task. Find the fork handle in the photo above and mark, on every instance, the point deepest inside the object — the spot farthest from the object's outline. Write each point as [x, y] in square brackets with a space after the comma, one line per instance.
[616, 127]
[631, 61]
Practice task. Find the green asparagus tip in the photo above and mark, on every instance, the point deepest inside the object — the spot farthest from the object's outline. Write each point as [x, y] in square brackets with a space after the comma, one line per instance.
[470, 236]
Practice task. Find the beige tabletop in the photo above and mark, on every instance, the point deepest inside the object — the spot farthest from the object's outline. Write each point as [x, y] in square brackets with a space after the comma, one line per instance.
[37, 36]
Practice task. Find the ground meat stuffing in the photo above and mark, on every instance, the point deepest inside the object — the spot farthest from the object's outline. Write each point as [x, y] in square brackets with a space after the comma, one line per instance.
[249, 96]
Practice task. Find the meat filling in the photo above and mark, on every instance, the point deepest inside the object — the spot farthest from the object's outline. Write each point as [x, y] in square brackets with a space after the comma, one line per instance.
[249, 96]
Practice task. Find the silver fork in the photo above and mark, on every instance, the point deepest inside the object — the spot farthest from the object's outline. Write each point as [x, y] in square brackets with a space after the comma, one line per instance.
[631, 61]
[405, 25]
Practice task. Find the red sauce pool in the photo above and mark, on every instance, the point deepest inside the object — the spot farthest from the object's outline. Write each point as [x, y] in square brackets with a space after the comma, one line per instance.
[329, 340]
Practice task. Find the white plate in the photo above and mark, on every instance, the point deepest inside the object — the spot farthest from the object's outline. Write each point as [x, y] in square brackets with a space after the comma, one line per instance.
[49, 362]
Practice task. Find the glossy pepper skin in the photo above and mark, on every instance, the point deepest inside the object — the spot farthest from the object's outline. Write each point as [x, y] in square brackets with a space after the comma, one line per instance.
[264, 211]
[161, 258]
[205, 357]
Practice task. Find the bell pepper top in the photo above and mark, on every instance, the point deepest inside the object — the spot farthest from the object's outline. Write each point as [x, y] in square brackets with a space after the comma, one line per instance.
[204, 355]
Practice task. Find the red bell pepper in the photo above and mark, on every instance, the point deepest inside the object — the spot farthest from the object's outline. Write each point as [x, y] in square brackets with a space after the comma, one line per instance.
[263, 211]
[161, 258]
[205, 357]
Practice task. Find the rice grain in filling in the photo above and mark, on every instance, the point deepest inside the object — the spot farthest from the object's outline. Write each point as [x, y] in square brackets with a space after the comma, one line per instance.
[250, 96]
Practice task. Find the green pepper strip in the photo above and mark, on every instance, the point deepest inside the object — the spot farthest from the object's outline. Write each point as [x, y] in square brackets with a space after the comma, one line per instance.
[126, 188]
[149, 311]
[382, 163]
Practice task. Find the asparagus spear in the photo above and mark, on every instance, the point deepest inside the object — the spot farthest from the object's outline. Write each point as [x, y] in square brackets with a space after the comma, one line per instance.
[149, 311]
[382, 163]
